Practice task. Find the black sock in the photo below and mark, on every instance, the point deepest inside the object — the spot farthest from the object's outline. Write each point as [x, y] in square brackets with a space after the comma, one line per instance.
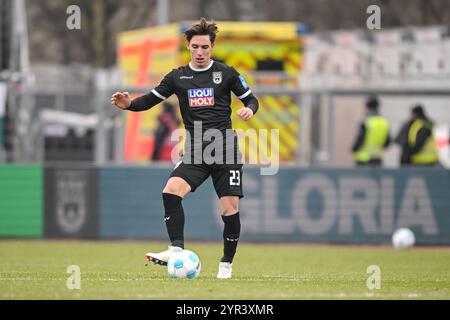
[231, 232]
[174, 218]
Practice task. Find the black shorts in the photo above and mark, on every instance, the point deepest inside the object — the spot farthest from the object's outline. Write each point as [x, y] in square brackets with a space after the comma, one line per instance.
[227, 178]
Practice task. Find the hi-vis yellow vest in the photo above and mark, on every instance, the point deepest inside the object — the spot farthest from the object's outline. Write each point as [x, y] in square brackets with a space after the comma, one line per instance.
[428, 154]
[377, 131]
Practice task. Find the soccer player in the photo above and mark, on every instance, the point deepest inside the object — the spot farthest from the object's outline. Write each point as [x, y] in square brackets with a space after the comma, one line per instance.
[203, 88]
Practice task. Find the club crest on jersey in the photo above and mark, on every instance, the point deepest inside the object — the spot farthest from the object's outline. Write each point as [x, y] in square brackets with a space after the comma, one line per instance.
[201, 97]
[217, 77]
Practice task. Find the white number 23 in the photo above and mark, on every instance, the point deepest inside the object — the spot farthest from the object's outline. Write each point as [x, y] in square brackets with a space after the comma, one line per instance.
[235, 178]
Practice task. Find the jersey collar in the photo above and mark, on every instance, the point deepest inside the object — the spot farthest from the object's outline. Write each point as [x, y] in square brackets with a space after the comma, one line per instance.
[204, 69]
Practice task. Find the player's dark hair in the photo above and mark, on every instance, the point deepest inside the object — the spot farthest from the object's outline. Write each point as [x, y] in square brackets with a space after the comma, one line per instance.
[203, 28]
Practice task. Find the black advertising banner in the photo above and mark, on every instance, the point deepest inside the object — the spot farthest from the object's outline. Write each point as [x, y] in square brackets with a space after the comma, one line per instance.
[71, 202]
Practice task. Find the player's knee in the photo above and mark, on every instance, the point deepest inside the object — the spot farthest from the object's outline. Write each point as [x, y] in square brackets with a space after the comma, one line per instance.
[229, 211]
[172, 189]
[177, 186]
[229, 205]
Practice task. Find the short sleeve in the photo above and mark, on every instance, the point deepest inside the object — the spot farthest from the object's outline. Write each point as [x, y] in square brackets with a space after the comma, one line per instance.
[238, 85]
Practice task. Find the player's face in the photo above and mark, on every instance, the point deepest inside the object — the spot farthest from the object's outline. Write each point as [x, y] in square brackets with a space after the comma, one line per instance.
[200, 48]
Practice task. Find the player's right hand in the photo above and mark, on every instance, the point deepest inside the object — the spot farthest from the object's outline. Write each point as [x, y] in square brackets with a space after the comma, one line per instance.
[121, 99]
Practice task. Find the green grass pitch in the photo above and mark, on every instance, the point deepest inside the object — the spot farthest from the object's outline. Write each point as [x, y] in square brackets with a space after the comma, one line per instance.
[36, 269]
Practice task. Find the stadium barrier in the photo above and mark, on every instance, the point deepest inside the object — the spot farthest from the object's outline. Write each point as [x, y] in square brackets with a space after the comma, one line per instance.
[296, 205]
[21, 200]
[71, 201]
[131, 206]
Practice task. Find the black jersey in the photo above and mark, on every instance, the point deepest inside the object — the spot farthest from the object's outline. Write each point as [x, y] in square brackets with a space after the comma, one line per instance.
[204, 94]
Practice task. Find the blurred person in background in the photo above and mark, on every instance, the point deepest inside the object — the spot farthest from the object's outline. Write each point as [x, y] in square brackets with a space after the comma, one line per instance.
[417, 141]
[203, 88]
[167, 122]
[373, 136]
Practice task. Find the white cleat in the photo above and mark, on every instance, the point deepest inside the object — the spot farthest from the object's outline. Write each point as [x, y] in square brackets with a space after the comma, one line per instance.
[162, 257]
[225, 270]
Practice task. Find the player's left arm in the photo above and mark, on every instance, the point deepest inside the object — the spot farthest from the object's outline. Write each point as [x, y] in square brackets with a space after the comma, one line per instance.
[251, 107]
[241, 89]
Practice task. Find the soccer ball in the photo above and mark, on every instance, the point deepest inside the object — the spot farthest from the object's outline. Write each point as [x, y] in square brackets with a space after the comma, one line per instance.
[403, 238]
[184, 264]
